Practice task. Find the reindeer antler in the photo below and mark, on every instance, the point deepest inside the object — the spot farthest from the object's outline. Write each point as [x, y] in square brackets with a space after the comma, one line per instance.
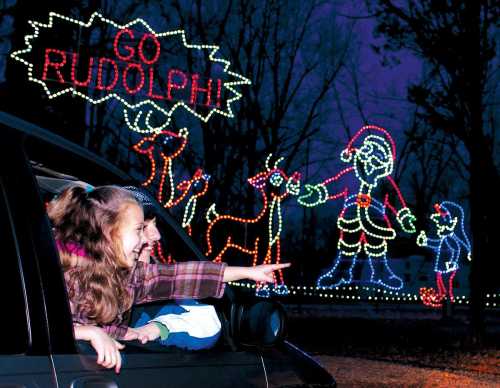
[134, 126]
[278, 162]
[267, 162]
[275, 166]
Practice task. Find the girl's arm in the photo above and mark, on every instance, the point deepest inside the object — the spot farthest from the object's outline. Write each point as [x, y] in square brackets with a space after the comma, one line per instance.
[192, 279]
[107, 349]
[259, 273]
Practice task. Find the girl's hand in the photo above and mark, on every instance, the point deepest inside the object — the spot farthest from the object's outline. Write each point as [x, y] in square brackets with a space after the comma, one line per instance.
[146, 333]
[261, 273]
[107, 348]
[264, 273]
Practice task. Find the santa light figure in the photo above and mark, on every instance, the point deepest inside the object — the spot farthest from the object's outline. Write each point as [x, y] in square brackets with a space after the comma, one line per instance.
[363, 222]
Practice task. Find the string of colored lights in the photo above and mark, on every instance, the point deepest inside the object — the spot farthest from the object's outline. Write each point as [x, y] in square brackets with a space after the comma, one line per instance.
[276, 178]
[448, 219]
[190, 208]
[368, 294]
[213, 49]
[371, 161]
[149, 145]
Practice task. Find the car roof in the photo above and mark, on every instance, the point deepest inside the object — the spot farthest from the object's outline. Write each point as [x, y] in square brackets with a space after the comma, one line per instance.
[46, 136]
[53, 181]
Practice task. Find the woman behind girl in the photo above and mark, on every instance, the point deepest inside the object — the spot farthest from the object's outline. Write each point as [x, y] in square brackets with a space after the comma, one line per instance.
[99, 234]
[192, 325]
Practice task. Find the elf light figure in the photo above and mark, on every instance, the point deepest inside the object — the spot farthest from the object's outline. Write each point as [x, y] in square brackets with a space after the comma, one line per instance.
[448, 219]
[363, 222]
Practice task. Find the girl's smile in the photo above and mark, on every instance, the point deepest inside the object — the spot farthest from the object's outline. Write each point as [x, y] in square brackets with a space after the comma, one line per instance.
[132, 233]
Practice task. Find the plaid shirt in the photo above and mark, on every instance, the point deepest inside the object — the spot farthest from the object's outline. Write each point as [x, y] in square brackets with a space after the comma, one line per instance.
[151, 282]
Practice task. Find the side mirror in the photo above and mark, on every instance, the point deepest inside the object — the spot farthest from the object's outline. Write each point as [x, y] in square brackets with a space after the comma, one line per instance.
[259, 324]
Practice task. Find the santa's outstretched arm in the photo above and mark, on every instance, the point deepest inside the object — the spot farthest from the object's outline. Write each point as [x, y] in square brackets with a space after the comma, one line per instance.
[403, 214]
[327, 190]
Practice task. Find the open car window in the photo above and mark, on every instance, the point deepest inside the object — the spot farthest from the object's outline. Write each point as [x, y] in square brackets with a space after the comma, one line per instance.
[175, 243]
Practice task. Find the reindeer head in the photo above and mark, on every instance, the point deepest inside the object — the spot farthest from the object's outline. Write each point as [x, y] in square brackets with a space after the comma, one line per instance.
[168, 144]
[276, 181]
[198, 184]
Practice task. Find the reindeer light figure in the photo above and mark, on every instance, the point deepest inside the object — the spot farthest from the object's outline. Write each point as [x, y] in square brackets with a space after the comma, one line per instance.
[164, 146]
[198, 187]
[258, 237]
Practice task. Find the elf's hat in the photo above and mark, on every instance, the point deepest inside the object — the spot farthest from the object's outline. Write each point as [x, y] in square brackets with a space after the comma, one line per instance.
[381, 136]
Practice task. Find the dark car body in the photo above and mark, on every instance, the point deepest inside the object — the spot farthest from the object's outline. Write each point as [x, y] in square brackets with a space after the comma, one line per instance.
[37, 347]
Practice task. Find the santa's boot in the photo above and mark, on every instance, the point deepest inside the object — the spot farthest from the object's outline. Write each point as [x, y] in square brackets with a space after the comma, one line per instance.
[382, 274]
[340, 274]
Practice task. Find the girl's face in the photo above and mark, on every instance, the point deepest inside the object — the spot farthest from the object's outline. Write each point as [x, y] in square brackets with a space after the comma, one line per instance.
[131, 233]
[151, 235]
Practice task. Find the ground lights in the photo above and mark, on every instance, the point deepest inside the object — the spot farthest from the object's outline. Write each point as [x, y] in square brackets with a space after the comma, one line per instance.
[368, 294]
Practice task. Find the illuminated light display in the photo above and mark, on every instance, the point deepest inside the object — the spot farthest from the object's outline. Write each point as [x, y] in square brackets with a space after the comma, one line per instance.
[257, 237]
[198, 186]
[448, 220]
[129, 60]
[367, 294]
[166, 146]
[363, 222]
[158, 253]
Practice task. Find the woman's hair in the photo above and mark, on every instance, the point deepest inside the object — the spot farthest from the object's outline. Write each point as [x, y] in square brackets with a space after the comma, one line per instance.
[91, 220]
[145, 198]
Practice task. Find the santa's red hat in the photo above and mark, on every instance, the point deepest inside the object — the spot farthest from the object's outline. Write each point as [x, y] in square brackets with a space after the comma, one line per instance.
[350, 149]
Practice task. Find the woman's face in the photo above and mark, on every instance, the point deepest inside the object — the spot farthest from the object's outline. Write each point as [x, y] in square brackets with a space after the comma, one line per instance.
[151, 235]
[132, 233]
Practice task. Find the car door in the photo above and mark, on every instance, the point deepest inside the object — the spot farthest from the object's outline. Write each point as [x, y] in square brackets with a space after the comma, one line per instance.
[163, 369]
[152, 367]
[24, 344]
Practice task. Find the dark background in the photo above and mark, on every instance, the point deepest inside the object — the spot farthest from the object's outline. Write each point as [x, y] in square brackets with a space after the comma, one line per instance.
[427, 71]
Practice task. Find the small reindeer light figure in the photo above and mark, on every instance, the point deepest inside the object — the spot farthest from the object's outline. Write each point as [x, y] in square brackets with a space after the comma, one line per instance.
[257, 237]
[197, 186]
[164, 146]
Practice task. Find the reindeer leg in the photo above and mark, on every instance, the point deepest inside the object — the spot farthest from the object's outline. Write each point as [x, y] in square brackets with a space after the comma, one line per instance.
[170, 200]
[281, 288]
[167, 172]
[263, 289]
[162, 181]
[151, 177]
[278, 260]
[218, 258]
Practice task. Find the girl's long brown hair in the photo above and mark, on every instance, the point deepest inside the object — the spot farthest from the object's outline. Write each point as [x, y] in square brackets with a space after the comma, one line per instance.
[97, 284]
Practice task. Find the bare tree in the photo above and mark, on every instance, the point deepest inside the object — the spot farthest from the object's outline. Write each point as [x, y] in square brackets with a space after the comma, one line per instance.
[457, 40]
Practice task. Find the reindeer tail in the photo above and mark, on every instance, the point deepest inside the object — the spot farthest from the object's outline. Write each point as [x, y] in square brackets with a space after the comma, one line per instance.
[211, 213]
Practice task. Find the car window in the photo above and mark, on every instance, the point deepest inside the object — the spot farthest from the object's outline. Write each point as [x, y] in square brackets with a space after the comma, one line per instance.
[173, 247]
[14, 319]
